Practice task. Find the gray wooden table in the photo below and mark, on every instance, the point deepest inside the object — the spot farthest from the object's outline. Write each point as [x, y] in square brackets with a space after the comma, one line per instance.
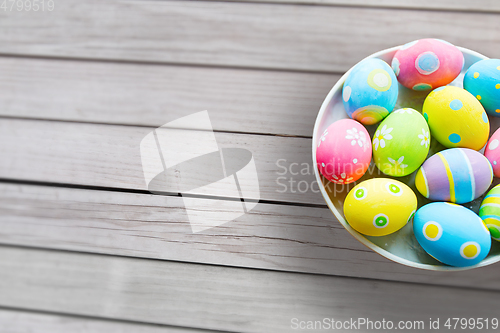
[84, 247]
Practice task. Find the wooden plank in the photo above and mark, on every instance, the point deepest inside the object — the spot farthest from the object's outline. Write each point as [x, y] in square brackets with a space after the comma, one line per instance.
[12, 321]
[275, 237]
[447, 5]
[212, 297]
[109, 156]
[150, 95]
[310, 38]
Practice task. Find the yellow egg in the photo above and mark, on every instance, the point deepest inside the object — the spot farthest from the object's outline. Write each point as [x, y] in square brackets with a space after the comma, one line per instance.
[379, 206]
[456, 118]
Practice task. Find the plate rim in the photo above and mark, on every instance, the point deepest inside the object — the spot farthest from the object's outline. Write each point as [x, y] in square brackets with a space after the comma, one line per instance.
[377, 249]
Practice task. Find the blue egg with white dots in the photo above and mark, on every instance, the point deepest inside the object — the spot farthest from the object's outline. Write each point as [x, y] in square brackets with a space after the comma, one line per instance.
[482, 80]
[370, 91]
[452, 234]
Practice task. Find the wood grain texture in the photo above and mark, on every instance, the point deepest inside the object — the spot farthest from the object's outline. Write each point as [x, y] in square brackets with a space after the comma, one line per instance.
[142, 226]
[150, 95]
[12, 321]
[236, 299]
[310, 38]
[109, 156]
[446, 5]
[274, 237]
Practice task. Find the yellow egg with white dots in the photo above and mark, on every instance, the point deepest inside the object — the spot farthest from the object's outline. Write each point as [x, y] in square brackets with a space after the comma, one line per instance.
[379, 206]
[456, 118]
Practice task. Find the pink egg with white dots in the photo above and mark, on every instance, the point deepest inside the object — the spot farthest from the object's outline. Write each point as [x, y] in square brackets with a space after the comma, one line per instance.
[426, 64]
[492, 152]
[344, 151]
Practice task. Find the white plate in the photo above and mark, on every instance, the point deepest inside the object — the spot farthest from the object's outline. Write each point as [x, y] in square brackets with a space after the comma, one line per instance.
[401, 246]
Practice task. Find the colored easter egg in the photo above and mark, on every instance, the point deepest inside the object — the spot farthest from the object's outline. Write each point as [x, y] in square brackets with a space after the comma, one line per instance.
[492, 152]
[490, 212]
[344, 151]
[370, 91]
[483, 81]
[401, 142]
[456, 118]
[379, 206]
[426, 64]
[452, 234]
[457, 175]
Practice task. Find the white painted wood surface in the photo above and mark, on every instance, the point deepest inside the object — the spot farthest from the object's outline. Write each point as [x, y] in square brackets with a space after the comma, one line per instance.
[310, 38]
[275, 237]
[15, 321]
[238, 100]
[262, 70]
[234, 299]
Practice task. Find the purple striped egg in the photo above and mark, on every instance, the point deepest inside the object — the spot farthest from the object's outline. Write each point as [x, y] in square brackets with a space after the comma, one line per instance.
[456, 175]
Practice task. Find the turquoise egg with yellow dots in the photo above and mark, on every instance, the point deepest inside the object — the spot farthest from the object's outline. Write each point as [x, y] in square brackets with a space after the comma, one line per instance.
[456, 118]
[370, 91]
[452, 234]
[401, 142]
[379, 206]
[490, 212]
[482, 80]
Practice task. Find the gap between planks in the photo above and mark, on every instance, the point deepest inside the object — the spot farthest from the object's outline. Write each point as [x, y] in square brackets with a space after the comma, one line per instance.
[32, 150]
[481, 6]
[14, 320]
[269, 237]
[165, 63]
[217, 298]
[311, 38]
[147, 126]
[271, 103]
[285, 237]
